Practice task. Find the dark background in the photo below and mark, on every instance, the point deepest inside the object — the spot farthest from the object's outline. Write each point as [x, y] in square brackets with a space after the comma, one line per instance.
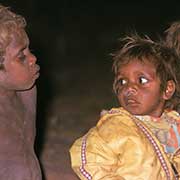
[66, 34]
[72, 40]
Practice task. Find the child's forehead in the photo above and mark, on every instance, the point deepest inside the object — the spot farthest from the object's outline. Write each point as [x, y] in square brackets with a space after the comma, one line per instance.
[137, 64]
[145, 61]
[19, 37]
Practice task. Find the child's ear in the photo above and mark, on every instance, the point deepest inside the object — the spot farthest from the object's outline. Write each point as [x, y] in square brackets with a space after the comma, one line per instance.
[170, 89]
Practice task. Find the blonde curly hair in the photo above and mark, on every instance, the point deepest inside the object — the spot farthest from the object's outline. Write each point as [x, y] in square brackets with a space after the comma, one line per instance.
[10, 22]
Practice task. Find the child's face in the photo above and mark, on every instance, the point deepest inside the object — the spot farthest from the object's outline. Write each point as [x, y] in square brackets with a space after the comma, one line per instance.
[139, 89]
[20, 68]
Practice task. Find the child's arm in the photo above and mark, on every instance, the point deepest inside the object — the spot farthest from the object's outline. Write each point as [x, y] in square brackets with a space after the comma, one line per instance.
[92, 159]
[106, 153]
[115, 150]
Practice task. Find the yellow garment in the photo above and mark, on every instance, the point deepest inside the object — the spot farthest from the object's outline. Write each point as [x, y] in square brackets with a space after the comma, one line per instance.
[121, 147]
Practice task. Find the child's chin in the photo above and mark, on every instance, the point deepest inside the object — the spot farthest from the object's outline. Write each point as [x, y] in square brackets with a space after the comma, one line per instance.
[27, 87]
[134, 111]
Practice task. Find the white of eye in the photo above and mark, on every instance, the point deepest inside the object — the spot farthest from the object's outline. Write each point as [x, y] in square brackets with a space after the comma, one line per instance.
[123, 81]
[143, 80]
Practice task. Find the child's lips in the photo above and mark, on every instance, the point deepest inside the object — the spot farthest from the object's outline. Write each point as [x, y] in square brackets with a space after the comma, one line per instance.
[131, 101]
[37, 74]
[37, 68]
[36, 71]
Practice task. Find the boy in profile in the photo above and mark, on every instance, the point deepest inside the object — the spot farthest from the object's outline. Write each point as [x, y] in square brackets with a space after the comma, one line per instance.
[18, 73]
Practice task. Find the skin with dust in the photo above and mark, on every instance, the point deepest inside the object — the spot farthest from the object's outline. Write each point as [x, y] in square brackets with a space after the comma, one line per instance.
[18, 74]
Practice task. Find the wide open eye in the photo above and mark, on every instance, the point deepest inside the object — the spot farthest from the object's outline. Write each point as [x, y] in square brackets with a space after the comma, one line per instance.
[122, 81]
[143, 80]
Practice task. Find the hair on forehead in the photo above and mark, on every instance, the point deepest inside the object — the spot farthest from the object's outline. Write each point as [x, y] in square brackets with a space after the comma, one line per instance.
[136, 43]
[141, 48]
[144, 49]
[135, 46]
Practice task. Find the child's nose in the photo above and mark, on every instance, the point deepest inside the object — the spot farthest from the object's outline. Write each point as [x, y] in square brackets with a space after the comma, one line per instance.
[32, 59]
[131, 89]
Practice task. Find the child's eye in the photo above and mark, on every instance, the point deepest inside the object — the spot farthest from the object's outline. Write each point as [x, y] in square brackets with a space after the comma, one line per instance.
[22, 56]
[122, 81]
[143, 80]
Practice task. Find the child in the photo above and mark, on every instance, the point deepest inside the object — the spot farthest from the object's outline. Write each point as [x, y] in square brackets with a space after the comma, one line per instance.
[141, 138]
[18, 72]
[172, 38]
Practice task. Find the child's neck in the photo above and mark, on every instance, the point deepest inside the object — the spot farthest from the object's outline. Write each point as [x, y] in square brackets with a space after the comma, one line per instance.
[155, 114]
[4, 93]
